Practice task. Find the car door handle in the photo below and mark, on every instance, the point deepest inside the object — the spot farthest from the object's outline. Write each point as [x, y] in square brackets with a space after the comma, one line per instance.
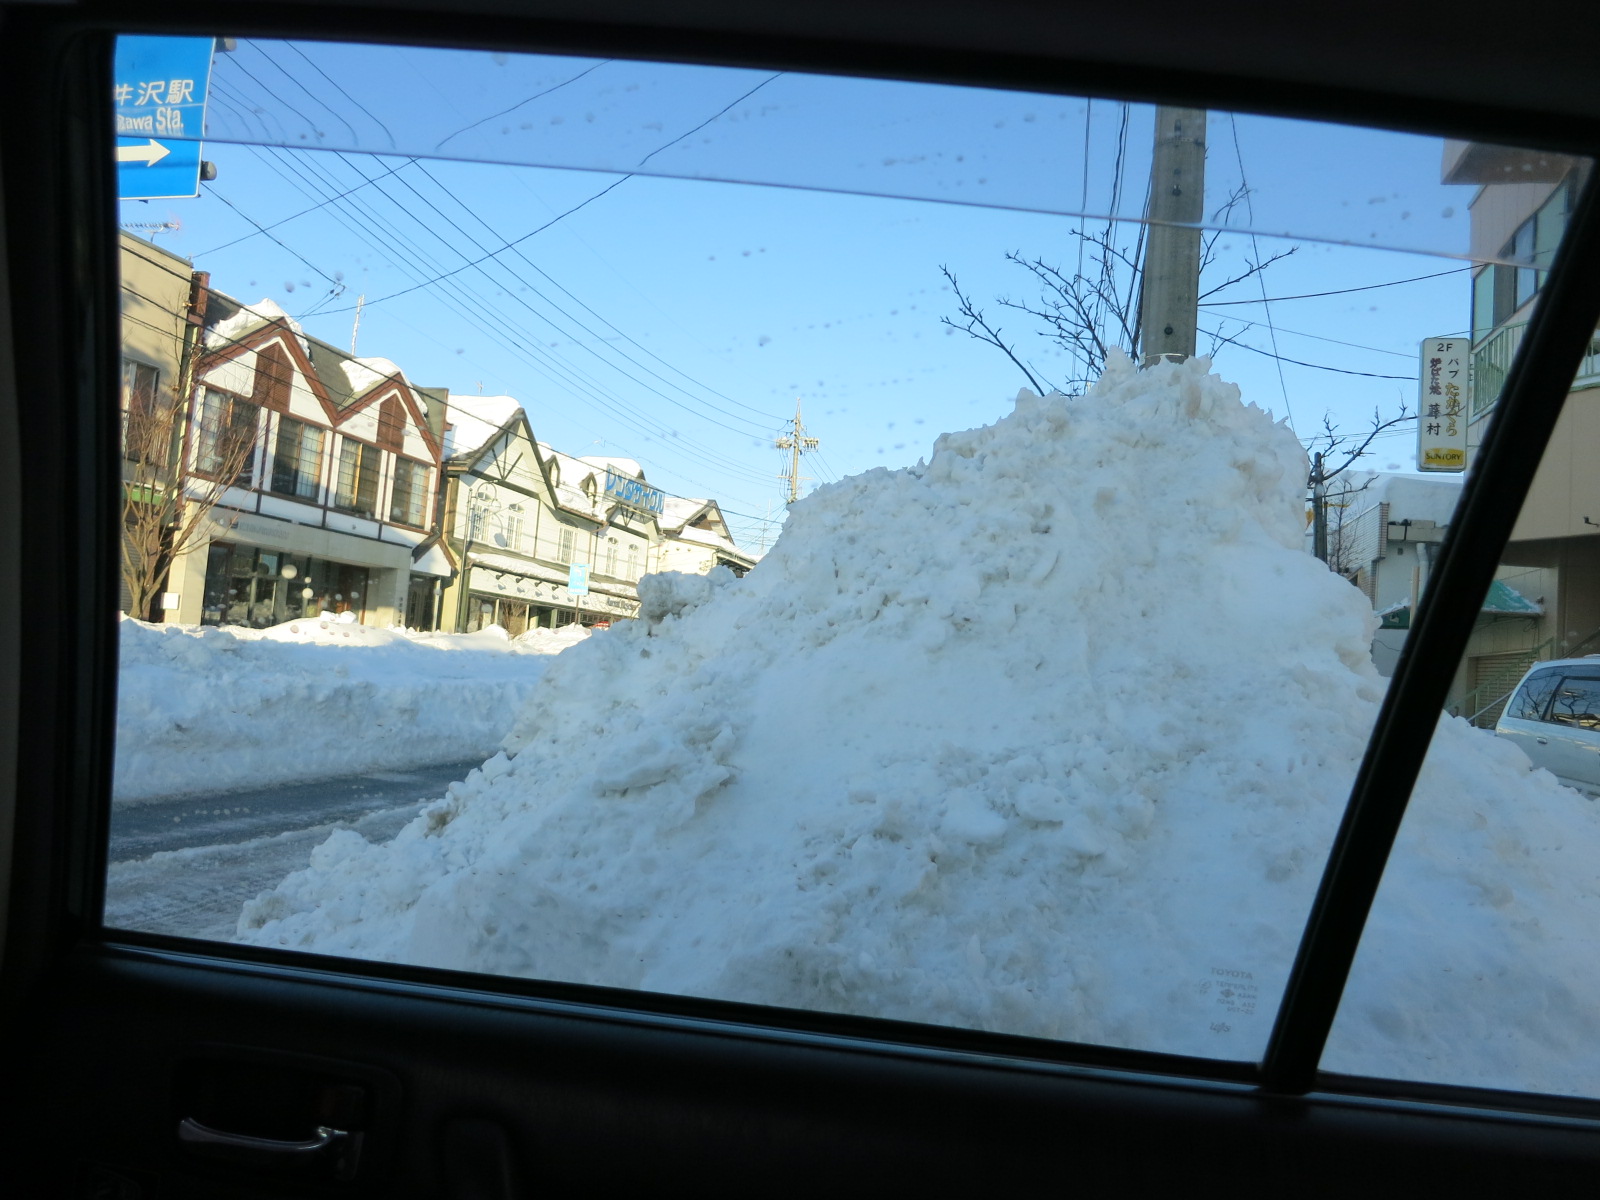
[243, 1149]
[1542, 741]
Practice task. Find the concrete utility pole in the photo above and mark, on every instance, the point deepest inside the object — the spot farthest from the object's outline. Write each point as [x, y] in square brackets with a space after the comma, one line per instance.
[1319, 509]
[1170, 298]
[797, 444]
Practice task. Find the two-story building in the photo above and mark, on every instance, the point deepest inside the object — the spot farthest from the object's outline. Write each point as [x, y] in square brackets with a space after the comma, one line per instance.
[1552, 561]
[544, 538]
[514, 545]
[330, 468]
[161, 324]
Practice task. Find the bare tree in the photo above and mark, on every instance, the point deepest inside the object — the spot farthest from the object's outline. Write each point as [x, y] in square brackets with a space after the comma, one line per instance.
[165, 498]
[1332, 454]
[1094, 308]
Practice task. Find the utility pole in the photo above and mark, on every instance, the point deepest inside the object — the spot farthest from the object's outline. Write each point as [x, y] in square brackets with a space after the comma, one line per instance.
[1319, 510]
[797, 444]
[1170, 298]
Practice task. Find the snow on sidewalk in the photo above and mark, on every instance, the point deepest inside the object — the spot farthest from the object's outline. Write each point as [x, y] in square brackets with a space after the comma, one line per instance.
[1049, 735]
[211, 709]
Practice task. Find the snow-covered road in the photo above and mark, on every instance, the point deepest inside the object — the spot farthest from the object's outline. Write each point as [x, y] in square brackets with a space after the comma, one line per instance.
[186, 866]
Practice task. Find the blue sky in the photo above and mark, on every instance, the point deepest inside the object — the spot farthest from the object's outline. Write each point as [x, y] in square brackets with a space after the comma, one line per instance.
[714, 244]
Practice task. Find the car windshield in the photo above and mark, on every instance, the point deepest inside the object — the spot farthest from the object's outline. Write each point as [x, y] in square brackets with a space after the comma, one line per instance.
[850, 545]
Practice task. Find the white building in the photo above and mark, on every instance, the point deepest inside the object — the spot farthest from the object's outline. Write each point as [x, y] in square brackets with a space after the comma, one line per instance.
[695, 539]
[333, 506]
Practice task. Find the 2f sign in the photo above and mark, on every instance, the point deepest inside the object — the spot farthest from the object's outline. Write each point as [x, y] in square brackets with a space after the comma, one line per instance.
[1446, 397]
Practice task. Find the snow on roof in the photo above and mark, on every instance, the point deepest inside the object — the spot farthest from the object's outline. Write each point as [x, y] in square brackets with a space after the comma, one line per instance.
[248, 317]
[1410, 497]
[622, 466]
[474, 420]
[679, 511]
[703, 537]
[367, 373]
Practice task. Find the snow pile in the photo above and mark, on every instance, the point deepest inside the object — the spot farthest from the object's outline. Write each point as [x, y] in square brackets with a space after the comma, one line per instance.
[213, 709]
[1049, 735]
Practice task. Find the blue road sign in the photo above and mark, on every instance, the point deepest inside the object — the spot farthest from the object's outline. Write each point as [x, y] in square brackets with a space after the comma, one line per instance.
[578, 579]
[159, 90]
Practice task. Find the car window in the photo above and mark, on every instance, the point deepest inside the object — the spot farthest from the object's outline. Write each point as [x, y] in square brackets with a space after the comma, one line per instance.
[1577, 702]
[1494, 935]
[1529, 703]
[733, 533]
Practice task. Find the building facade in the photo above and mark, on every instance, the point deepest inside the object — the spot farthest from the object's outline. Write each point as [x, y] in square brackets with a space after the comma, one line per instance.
[1552, 562]
[695, 539]
[326, 472]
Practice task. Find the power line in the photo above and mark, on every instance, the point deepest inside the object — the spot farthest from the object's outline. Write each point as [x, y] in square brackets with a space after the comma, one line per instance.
[501, 329]
[541, 316]
[249, 74]
[304, 211]
[1322, 338]
[1338, 291]
[338, 116]
[494, 253]
[1297, 362]
[261, 229]
[536, 96]
[342, 92]
[752, 428]
[578, 301]
[1250, 212]
[709, 119]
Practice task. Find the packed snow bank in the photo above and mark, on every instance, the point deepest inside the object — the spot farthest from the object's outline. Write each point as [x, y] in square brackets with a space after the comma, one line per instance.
[213, 709]
[1049, 735]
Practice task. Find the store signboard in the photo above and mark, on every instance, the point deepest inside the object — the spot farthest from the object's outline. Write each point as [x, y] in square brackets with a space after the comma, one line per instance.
[1446, 398]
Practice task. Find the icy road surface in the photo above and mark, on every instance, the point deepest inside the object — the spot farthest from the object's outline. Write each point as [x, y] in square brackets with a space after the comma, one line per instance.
[186, 866]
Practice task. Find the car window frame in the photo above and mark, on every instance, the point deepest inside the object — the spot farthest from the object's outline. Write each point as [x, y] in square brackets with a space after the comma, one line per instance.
[82, 640]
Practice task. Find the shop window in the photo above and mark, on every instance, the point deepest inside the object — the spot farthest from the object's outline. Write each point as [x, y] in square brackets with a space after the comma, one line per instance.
[297, 459]
[358, 478]
[410, 492]
[148, 428]
[227, 442]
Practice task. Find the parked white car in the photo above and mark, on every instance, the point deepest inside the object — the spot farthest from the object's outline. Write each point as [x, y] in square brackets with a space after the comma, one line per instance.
[1554, 715]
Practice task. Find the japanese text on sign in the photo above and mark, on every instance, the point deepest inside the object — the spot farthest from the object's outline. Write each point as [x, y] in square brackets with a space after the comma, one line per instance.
[1442, 416]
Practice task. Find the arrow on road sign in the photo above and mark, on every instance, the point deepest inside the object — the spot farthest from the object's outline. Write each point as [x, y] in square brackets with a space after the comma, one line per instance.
[149, 154]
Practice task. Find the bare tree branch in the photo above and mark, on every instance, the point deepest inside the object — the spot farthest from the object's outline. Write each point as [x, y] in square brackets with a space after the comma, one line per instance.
[171, 483]
[979, 328]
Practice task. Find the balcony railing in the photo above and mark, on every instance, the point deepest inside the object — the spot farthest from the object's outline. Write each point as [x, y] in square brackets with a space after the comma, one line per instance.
[1491, 360]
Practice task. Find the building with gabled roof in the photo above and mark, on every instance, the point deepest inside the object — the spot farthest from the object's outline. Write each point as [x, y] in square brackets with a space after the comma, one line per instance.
[334, 508]
[695, 539]
[543, 538]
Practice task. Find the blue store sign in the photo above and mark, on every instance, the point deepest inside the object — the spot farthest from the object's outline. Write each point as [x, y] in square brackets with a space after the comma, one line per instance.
[159, 89]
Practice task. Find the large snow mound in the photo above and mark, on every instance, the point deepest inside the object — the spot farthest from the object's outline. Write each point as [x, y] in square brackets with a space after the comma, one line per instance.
[214, 709]
[1049, 735]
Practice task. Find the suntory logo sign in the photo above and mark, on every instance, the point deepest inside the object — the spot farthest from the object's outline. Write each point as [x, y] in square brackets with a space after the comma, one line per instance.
[634, 493]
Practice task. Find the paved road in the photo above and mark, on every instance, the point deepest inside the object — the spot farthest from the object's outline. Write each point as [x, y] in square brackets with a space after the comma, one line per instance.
[186, 866]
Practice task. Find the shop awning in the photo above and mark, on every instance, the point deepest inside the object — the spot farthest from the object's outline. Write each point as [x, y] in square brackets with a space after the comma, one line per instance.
[1503, 600]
